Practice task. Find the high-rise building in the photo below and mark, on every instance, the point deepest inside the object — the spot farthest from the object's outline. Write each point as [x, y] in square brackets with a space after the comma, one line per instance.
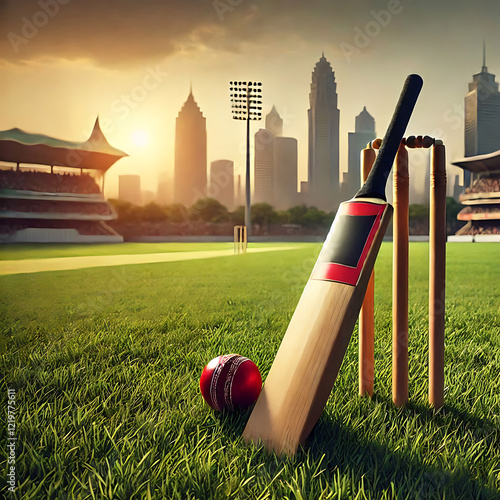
[239, 200]
[274, 123]
[163, 190]
[364, 132]
[190, 171]
[129, 189]
[482, 116]
[148, 196]
[263, 166]
[284, 172]
[457, 188]
[324, 118]
[222, 182]
[275, 170]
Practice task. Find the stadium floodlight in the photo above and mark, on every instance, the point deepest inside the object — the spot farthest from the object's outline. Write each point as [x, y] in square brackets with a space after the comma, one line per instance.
[246, 104]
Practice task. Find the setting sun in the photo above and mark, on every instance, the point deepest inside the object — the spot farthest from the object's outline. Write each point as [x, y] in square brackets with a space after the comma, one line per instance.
[140, 138]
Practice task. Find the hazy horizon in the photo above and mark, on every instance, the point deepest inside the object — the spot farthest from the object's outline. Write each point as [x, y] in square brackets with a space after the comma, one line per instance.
[132, 63]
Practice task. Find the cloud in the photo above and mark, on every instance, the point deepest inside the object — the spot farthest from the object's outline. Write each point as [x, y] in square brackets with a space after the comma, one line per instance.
[128, 32]
[118, 31]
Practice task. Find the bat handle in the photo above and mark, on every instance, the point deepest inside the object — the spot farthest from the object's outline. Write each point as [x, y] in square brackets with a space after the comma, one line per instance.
[374, 187]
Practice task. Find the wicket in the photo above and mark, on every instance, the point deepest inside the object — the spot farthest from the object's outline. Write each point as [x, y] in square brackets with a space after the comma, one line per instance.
[437, 266]
[240, 239]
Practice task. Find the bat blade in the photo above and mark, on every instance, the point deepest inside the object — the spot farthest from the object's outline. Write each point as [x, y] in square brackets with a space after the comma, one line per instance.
[311, 353]
[313, 348]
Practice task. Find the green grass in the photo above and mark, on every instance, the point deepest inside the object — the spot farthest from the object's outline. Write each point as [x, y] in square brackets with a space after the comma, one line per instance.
[105, 363]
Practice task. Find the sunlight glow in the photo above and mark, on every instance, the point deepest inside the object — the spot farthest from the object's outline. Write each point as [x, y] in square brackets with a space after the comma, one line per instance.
[140, 138]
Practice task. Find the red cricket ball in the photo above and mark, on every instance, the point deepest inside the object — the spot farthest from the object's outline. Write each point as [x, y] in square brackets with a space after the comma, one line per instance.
[230, 382]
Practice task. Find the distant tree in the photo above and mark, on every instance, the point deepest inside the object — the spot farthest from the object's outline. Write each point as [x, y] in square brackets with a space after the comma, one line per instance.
[315, 218]
[418, 215]
[208, 210]
[418, 219]
[125, 211]
[238, 216]
[263, 214]
[282, 217]
[418, 212]
[176, 212]
[296, 213]
[153, 213]
[452, 209]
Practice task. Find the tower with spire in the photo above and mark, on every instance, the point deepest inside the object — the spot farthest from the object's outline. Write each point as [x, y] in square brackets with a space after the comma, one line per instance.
[190, 174]
[482, 115]
[274, 122]
[324, 119]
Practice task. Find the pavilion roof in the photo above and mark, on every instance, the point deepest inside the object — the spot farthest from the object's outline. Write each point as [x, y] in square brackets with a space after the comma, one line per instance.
[18, 146]
[481, 163]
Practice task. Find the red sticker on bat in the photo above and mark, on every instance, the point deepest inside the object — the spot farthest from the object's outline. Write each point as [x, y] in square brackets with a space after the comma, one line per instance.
[348, 242]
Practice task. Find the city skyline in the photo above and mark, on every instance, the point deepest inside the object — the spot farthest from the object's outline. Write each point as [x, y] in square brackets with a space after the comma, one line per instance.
[64, 66]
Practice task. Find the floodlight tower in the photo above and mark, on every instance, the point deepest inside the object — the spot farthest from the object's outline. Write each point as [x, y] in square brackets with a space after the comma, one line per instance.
[246, 100]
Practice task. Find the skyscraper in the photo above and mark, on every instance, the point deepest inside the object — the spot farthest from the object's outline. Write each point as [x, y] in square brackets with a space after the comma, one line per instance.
[482, 115]
[285, 172]
[129, 189]
[364, 132]
[274, 123]
[222, 182]
[163, 190]
[263, 166]
[275, 168]
[323, 117]
[190, 175]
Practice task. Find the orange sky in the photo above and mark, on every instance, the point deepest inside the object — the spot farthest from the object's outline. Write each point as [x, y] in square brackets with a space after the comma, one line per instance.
[63, 62]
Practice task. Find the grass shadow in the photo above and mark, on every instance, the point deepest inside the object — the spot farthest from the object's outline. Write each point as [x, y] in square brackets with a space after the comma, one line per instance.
[343, 451]
[402, 471]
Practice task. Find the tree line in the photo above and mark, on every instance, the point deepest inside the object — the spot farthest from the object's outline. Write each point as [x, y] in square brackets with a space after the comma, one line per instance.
[211, 211]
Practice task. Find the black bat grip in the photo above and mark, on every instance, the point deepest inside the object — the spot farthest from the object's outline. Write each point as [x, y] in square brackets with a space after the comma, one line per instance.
[374, 186]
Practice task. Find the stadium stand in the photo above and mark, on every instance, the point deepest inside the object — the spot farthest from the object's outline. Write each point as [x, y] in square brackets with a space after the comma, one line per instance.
[44, 182]
[41, 206]
[482, 198]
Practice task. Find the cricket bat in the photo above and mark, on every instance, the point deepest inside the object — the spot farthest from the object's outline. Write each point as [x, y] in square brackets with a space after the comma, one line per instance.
[307, 363]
